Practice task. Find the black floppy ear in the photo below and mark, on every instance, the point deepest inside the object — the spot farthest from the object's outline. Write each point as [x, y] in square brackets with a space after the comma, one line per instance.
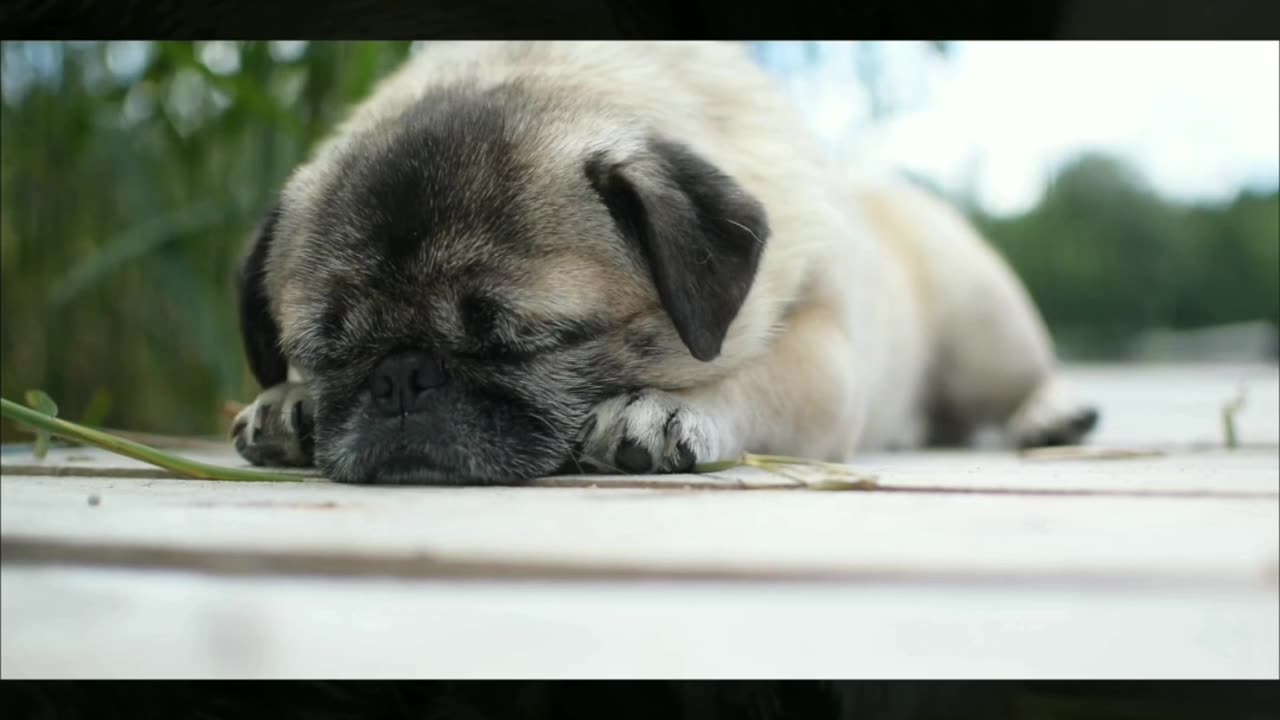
[258, 329]
[701, 233]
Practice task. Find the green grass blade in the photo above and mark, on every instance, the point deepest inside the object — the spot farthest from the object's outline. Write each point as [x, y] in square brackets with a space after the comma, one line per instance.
[839, 477]
[42, 403]
[137, 451]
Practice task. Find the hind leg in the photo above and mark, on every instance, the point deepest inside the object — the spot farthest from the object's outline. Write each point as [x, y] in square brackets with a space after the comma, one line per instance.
[1051, 416]
[999, 372]
[996, 365]
[993, 360]
[1047, 414]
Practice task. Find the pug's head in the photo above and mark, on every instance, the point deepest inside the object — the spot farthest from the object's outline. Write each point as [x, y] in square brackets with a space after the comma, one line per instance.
[460, 282]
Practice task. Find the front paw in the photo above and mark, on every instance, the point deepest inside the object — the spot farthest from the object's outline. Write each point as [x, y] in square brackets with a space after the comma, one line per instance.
[648, 431]
[277, 428]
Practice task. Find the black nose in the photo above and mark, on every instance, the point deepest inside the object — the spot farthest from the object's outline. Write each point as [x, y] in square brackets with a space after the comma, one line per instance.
[402, 381]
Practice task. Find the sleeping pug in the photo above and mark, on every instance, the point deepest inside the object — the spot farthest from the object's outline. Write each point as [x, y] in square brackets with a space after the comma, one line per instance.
[517, 259]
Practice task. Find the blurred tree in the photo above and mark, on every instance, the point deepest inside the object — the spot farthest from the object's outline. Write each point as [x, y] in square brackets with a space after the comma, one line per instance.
[1105, 257]
[1230, 265]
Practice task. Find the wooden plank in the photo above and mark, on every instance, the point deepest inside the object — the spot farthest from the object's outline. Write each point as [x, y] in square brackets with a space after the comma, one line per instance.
[131, 624]
[426, 531]
[1243, 472]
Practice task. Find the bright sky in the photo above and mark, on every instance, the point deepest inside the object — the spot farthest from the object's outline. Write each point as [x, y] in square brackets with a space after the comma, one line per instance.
[1200, 120]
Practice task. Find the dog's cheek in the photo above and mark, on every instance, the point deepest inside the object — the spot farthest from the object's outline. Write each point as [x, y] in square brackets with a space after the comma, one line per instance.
[336, 409]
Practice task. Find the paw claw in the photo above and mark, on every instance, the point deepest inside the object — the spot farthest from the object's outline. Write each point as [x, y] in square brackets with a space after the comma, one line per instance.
[1068, 430]
[1085, 420]
[646, 431]
[685, 458]
[633, 458]
[277, 429]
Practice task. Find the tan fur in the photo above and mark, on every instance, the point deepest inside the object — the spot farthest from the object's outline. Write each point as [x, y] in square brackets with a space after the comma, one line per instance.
[872, 305]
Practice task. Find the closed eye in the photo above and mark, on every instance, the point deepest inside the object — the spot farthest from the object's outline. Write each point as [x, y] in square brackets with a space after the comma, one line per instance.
[533, 341]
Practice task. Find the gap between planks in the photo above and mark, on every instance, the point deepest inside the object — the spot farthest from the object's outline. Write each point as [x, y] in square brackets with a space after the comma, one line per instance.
[418, 565]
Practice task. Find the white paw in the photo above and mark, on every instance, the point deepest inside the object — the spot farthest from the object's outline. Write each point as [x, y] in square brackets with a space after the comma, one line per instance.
[648, 431]
[277, 428]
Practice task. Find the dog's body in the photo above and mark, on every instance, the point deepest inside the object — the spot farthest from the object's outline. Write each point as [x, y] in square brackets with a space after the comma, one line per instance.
[617, 257]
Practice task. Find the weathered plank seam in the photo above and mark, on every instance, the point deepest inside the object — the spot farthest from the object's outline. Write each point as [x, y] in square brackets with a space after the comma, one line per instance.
[27, 551]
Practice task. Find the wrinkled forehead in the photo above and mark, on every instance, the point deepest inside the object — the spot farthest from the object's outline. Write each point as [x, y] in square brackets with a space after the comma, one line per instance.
[439, 184]
[442, 250]
[453, 210]
[489, 301]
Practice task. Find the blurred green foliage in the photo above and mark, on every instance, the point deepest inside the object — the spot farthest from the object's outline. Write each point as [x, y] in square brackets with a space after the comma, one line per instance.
[1105, 257]
[131, 173]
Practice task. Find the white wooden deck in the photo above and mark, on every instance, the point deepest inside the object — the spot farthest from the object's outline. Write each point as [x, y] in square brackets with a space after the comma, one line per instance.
[1155, 564]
